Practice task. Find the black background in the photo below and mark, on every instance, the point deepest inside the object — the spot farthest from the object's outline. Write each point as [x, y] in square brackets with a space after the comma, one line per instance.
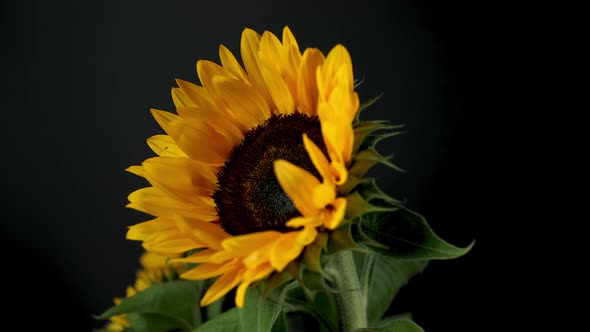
[493, 97]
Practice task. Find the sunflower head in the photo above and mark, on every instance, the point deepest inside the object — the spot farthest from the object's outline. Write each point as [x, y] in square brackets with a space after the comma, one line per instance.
[260, 178]
[253, 164]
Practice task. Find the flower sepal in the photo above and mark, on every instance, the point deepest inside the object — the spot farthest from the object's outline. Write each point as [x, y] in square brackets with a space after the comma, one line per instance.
[364, 105]
[312, 277]
[365, 135]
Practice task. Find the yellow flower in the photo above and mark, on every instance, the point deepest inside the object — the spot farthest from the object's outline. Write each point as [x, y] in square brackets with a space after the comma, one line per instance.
[251, 164]
[155, 269]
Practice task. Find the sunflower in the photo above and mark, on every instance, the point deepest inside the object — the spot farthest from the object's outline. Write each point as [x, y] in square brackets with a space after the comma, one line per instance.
[155, 269]
[250, 170]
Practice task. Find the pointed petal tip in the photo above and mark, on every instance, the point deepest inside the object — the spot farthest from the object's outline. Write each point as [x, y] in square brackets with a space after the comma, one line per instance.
[248, 32]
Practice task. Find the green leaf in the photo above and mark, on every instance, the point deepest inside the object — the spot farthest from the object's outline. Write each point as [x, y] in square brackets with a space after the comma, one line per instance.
[382, 278]
[385, 321]
[148, 322]
[177, 300]
[228, 321]
[275, 282]
[214, 309]
[326, 305]
[294, 298]
[311, 311]
[281, 324]
[399, 325]
[316, 281]
[404, 234]
[279, 296]
[258, 314]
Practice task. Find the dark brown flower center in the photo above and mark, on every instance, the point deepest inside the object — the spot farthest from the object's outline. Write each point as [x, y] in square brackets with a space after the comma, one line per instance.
[248, 196]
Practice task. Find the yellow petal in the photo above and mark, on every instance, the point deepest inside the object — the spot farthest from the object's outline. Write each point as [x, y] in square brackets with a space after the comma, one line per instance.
[206, 271]
[278, 89]
[203, 256]
[213, 119]
[285, 250]
[186, 95]
[207, 70]
[269, 62]
[129, 292]
[171, 245]
[153, 262]
[241, 293]
[223, 256]
[251, 276]
[338, 104]
[306, 236]
[191, 95]
[242, 100]
[337, 58]
[163, 118]
[318, 159]
[146, 229]
[334, 215]
[248, 242]
[270, 49]
[290, 60]
[307, 88]
[289, 246]
[340, 173]
[209, 234]
[137, 170]
[258, 256]
[164, 146]
[203, 110]
[323, 195]
[221, 286]
[203, 144]
[190, 137]
[337, 133]
[289, 39]
[182, 177]
[304, 221]
[229, 62]
[340, 139]
[249, 46]
[157, 202]
[299, 185]
[342, 99]
[181, 99]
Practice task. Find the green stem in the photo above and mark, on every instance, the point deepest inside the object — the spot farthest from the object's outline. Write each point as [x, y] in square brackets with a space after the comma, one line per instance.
[351, 303]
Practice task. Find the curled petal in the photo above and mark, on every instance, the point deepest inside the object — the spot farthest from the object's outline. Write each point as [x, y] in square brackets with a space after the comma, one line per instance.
[297, 183]
[334, 214]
